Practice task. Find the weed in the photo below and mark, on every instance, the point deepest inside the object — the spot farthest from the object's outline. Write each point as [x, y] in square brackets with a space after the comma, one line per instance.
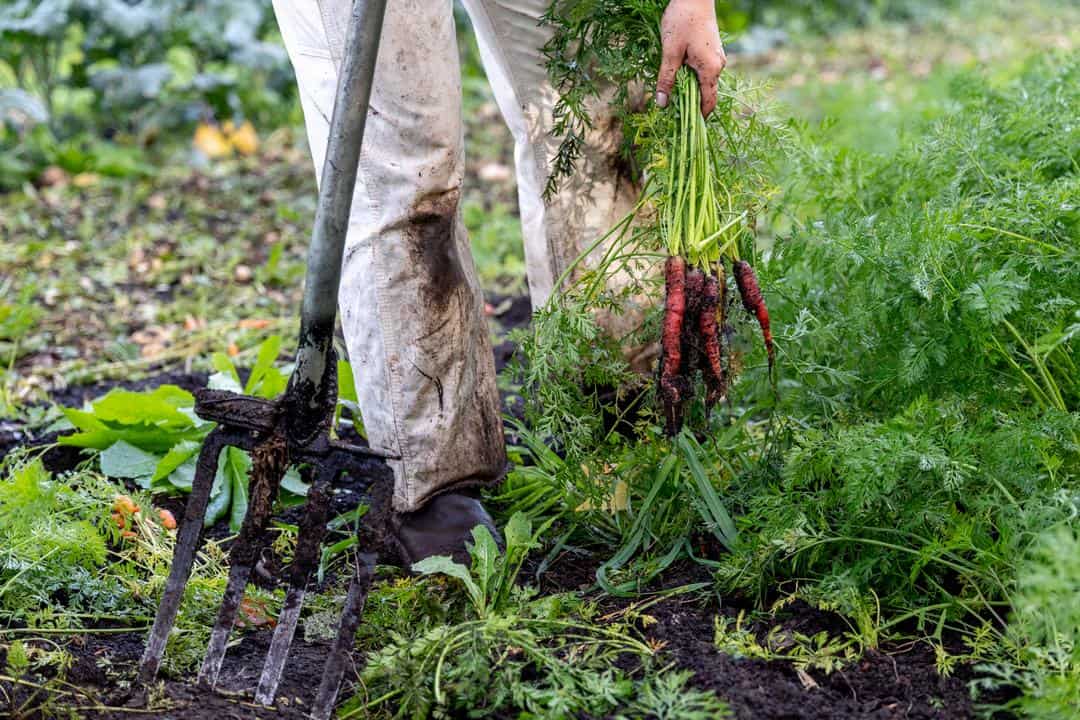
[511, 649]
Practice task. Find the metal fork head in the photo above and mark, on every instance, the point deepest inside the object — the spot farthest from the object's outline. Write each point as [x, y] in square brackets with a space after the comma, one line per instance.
[271, 454]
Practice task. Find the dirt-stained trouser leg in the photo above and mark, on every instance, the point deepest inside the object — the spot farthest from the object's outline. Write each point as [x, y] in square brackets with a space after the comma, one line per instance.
[410, 302]
[600, 192]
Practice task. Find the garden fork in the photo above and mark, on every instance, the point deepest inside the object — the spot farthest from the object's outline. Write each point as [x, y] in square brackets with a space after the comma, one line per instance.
[294, 429]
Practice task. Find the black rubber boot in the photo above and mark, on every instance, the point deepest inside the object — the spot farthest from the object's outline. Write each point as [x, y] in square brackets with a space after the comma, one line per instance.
[442, 527]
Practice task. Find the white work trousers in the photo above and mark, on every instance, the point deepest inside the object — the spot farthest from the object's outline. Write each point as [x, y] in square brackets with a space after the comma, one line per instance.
[411, 306]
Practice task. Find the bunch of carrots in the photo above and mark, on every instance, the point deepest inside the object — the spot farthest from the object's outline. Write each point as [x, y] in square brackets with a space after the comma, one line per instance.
[700, 229]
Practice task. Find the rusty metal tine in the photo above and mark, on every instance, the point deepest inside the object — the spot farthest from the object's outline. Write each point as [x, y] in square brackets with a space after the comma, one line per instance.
[308, 546]
[280, 645]
[239, 573]
[346, 637]
[187, 542]
[269, 461]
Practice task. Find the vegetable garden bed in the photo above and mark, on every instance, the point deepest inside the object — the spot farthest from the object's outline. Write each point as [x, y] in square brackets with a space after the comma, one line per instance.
[761, 666]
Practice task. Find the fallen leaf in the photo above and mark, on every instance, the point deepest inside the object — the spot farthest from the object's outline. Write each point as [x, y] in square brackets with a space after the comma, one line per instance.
[620, 498]
[85, 179]
[157, 201]
[244, 138]
[252, 324]
[254, 613]
[232, 350]
[211, 142]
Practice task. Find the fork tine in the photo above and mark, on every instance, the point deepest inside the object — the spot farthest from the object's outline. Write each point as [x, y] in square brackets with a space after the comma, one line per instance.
[187, 543]
[312, 532]
[269, 460]
[346, 637]
[219, 636]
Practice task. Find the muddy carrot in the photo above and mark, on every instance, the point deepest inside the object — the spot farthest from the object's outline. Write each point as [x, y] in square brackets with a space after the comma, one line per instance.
[692, 351]
[674, 313]
[746, 280]
[671, 337]
[712, 368]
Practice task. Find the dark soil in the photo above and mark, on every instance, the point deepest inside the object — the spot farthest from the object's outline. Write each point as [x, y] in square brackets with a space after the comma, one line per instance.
[101, 686]
[885, 684]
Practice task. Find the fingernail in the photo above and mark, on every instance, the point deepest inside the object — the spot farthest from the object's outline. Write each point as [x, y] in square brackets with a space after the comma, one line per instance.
[661, 98]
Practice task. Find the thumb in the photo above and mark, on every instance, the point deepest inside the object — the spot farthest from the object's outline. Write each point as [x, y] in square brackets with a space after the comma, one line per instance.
[673, 53]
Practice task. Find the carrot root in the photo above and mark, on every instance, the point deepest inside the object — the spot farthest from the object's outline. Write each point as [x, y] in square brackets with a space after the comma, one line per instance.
[750, 291]
[674, 388]
[712, 369]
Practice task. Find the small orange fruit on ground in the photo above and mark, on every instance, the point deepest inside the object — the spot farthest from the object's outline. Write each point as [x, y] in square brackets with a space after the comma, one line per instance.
[167, 520]
[124, 504]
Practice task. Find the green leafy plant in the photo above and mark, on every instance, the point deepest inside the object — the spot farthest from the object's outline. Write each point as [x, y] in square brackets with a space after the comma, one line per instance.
[153, 438]
[1041, 655]
[54, 540]
[929, 431]
[76, 553]
[96, 82]
[152, 61]
[545, 656]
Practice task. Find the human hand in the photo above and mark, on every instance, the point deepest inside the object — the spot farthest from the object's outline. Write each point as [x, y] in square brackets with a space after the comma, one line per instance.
[691, 36]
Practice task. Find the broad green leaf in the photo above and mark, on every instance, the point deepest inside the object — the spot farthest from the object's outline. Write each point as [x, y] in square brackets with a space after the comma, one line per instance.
[224, 381]
[151, 438]
[518, 534]
[183, 477]
[292, 482]
[485, 564]
[177, 456]
[220, 493]
[347, 396]
[445, 565]
[83, 420]
[123, 460]
[263, 371]
[159, 407]
[346, 382]
[237, 465]
[226, 377]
